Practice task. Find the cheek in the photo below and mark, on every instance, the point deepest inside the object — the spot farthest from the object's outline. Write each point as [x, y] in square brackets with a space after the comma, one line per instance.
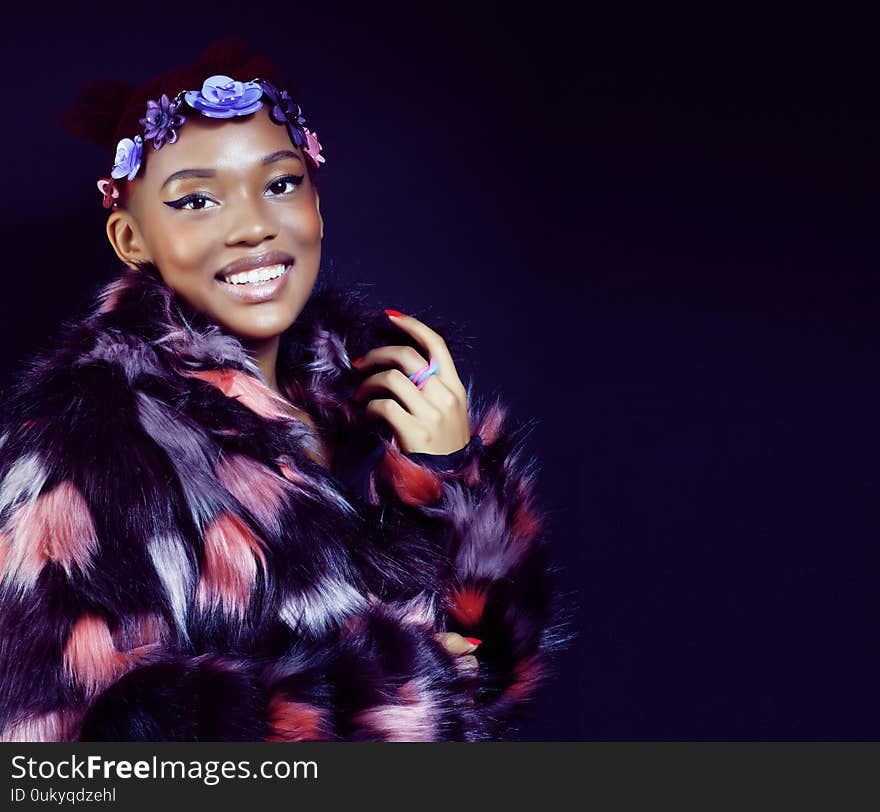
[305, 225]
[184, 246]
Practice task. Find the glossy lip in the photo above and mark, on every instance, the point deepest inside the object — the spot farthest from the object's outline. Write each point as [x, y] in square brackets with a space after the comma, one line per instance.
[256, 292]
[257, 261]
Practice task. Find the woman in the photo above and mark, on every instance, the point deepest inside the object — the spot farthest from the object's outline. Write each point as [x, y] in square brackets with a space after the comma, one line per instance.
[214, 525]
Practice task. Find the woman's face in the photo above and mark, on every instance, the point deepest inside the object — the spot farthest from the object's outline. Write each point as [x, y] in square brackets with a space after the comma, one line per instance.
[230, 200]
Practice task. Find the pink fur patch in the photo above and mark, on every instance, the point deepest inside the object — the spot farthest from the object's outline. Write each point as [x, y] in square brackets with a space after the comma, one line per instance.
[412, 719]
[229, 571]
[525, 522]
[5, 545]
[249, 390]
[492, 423]
[56, 526]
[90, 657]
[527, 675]
[296, 721]
[145, 630]
[473, 474]
[25, 557]
[262, 492]
[54, 726]
[291, 475]
[413, 483]
[466, 603]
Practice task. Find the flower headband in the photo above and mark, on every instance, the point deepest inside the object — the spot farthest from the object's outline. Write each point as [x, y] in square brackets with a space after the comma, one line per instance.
[220, 97]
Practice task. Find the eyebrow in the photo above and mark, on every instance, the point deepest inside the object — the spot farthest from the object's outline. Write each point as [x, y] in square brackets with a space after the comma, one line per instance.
[183, 174]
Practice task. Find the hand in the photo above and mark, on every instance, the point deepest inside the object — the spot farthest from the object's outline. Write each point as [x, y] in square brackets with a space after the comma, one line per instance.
[461, 648]
[433, 420]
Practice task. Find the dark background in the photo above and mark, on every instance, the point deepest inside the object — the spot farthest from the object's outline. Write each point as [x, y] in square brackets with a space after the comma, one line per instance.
[661, 236]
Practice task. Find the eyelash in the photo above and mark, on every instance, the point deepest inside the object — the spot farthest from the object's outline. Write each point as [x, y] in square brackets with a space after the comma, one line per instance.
[181, 203]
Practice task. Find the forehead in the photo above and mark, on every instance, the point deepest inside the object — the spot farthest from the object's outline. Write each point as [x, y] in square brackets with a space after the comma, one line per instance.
[236, 145]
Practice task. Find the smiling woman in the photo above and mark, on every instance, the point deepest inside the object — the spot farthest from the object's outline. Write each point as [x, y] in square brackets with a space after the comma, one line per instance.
[216, 525]
[232, 221]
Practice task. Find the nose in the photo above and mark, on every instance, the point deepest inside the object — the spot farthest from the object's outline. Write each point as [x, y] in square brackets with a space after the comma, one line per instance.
[250, 222]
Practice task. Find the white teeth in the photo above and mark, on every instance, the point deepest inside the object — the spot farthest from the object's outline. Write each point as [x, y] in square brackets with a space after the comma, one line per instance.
[256, 275]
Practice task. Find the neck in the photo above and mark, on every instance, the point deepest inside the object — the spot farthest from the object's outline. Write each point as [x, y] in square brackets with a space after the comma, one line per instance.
[265, 354]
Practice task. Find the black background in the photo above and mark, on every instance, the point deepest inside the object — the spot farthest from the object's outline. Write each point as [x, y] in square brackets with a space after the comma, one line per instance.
[660, 233]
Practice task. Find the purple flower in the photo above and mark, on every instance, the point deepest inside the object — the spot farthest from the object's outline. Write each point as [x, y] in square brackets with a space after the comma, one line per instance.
[161, 119]
[285, 111]
[223, 97]
[128, 158]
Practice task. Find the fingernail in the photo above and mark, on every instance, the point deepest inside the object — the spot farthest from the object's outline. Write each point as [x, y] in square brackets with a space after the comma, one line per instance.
[394, 313]
[357, 361]
[473, 641]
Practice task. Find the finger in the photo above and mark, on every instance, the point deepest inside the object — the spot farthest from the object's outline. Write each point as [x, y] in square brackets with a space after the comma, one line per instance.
[429, 409]
[403, 423]
[412, 435]
[410, 361]
[455, 643]
[434, 344]
[395, 415]
[406, 358]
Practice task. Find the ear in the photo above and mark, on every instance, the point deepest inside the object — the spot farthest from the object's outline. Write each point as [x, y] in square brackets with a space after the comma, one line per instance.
[321, 219]
[126, 238]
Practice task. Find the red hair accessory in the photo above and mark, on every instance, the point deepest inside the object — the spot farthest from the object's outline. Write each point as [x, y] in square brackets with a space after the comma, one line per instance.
[108, 188]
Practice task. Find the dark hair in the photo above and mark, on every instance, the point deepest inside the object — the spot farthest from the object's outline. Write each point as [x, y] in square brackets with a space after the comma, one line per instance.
[107, 111]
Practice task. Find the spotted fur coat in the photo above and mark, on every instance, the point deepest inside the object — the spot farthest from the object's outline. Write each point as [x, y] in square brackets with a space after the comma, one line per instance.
[176, 565]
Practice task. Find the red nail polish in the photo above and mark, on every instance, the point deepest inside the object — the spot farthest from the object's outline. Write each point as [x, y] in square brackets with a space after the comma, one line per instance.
[394, 313]
[473, 641]
[357, 361]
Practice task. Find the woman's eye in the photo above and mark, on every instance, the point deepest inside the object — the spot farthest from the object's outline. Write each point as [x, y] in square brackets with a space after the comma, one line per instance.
[286, 185]
[198, 202]
[191, 202]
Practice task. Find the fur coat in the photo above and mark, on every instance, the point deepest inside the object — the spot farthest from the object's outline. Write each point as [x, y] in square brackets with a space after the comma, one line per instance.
[176, 566]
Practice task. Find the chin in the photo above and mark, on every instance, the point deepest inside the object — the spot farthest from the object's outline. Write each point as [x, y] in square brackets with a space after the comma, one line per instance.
[260, 326]
[249, 333]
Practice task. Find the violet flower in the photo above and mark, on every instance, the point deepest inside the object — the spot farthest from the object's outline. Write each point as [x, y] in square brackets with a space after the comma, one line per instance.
[161, 120]
[285, 111]
[128, 158]
[222, 97]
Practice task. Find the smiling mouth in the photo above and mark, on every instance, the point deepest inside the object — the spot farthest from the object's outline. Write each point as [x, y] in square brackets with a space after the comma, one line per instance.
[257, 276]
